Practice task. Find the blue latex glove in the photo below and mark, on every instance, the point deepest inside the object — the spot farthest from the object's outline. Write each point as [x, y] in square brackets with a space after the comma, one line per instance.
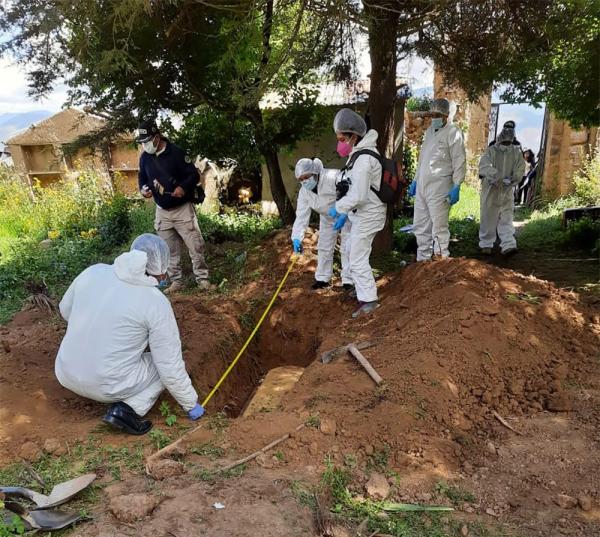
[412, 189]
[454, 195]
[196, 412]
[340, 221]
[297, 246]
[332, 212]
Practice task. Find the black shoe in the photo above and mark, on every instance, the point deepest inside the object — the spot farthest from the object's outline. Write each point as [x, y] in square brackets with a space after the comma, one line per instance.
[347, 287]
[123, 417]
[319, 285]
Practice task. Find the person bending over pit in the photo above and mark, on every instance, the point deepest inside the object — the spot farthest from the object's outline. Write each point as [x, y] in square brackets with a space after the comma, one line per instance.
[318, 193]
[114, 313]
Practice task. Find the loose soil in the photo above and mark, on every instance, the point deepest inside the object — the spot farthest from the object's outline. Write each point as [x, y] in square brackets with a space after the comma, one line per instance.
[457, 342]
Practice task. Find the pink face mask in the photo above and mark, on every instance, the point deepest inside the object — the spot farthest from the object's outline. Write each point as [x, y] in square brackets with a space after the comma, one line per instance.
[343, 149]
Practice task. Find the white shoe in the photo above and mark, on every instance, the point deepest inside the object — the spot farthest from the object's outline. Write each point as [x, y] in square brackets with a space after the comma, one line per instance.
[175, 287]
[205, 285]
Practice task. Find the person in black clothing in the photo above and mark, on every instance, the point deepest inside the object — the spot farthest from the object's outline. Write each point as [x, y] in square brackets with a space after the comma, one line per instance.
[526, 188]
[168, 175]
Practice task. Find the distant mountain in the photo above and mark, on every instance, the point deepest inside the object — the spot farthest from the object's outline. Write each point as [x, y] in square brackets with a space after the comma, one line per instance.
[11, 123]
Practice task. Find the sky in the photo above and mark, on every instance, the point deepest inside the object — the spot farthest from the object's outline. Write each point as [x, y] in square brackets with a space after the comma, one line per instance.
[13, 92]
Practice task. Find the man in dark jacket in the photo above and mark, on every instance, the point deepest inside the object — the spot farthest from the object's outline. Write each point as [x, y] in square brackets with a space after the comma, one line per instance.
[168, 175]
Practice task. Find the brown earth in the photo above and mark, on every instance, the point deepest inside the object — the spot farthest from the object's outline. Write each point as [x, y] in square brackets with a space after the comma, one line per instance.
[455, 341]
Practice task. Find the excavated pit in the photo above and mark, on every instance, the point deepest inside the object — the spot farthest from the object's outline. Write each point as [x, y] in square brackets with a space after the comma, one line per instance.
[289, 337]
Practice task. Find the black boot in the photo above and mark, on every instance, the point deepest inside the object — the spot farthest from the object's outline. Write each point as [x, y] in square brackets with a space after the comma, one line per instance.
[319, 285]
[348, 287]
[123, 417]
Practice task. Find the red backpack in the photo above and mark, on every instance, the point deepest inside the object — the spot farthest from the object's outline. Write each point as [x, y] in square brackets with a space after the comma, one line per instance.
[393, 183]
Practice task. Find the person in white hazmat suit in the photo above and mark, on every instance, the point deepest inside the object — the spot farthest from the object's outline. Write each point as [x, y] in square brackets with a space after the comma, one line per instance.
[114, 313]
[500, 169]
[358, 202]
[317, 193]
[440, 171]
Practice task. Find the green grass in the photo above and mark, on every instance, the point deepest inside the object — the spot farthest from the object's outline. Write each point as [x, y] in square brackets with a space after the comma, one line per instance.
[464, 223]
[334, 485]
[89, 224]
[455, 494]
[208, 450]
[92, 456]
[313, 421]
[387, 518]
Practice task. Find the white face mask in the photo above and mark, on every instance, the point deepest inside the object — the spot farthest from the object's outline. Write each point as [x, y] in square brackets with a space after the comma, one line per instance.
[437, 123]
[310, 184]
[149, 147]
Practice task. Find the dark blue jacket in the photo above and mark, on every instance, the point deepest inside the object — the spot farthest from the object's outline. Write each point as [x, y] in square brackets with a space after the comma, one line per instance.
[170, 169]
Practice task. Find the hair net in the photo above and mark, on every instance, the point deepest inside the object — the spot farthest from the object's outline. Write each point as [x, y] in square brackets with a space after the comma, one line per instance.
[506, 135]
[441, 106]
[347, 120]
[157, 251]
[307, 166]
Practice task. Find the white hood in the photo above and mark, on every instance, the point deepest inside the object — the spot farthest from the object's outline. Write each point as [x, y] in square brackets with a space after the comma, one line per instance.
[369, 141]
[130, 267]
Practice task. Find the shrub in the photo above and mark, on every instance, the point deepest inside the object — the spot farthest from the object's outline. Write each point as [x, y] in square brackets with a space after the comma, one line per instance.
[418, 104]
[584, 234]
[409, 159]
[234, 226]
[587, 179]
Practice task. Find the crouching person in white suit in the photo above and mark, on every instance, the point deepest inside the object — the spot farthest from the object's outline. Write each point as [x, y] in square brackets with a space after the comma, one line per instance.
[317, 193]
[114, 313]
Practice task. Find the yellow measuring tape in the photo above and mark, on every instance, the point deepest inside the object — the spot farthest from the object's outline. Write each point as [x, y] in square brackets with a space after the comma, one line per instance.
[264, 315]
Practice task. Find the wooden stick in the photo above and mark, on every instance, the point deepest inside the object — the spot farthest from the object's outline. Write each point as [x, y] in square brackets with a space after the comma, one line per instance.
[263, 450]
[365, 363]
[172, 446]
[505, 423]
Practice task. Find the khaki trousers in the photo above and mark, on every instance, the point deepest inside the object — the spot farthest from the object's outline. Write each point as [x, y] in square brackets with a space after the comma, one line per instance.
[180, 225]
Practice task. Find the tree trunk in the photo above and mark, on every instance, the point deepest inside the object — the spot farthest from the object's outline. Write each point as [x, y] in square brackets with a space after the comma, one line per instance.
[269, 153]
[280, 197]
[383, 32]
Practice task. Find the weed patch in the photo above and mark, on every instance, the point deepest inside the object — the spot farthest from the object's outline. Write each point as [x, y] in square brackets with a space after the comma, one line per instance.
[455, 494]
[208, 450]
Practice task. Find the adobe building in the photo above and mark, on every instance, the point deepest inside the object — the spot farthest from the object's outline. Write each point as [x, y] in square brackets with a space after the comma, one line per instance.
[39, 152]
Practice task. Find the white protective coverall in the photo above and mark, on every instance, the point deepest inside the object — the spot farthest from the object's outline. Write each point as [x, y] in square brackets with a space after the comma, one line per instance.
[497, 199]
[442, 164]
[321, 202]
[114, 312]
[367, 214]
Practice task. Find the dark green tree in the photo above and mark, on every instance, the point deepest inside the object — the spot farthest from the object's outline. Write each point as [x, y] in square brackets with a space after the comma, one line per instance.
[543, 51]
[129, 58]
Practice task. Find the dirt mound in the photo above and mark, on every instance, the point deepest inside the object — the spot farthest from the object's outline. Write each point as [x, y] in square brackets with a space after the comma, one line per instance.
[456, 341]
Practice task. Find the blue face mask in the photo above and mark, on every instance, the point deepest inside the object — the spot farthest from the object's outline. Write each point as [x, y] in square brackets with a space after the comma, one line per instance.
[309, 184]
[437, 123]
[162, 283]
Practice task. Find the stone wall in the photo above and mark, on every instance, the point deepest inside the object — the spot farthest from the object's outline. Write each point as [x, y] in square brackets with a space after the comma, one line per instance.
[563, 154]
[415, 125]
